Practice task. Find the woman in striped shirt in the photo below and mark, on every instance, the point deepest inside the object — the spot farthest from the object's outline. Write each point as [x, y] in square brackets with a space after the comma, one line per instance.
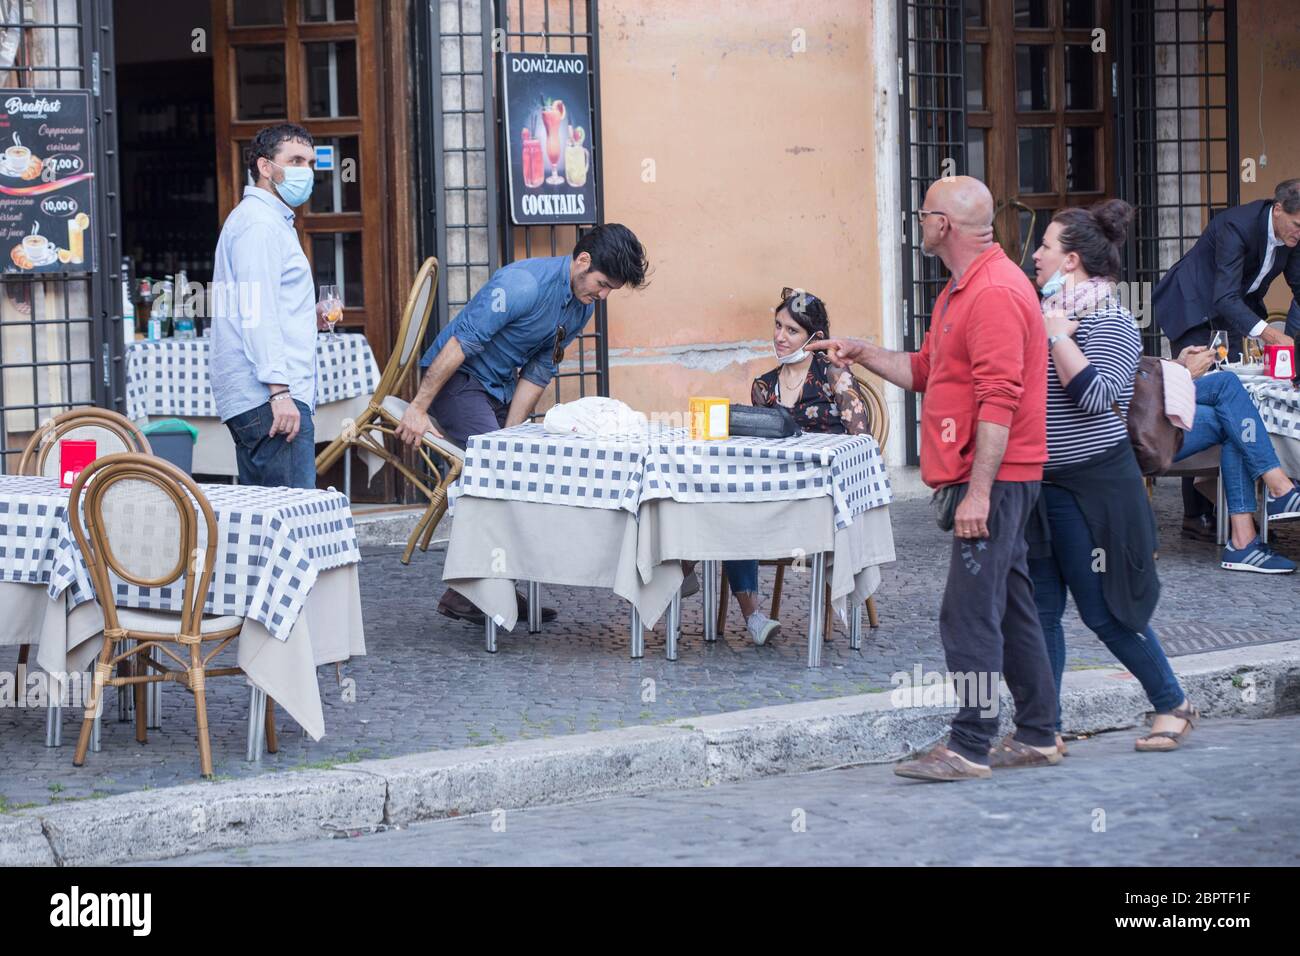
[1096, 533]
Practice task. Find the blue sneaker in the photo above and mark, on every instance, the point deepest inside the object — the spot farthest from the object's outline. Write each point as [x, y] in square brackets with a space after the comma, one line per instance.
[1255, 557]
[1288, 506]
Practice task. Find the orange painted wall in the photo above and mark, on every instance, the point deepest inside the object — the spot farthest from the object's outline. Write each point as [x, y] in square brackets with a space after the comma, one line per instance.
[763, 176]
[1268, 34]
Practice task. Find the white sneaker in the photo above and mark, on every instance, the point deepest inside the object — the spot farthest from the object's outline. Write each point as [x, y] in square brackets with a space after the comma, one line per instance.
[761, 628]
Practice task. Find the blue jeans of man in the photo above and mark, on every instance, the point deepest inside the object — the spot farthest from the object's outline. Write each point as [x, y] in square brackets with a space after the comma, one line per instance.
[1071, 565]
[274, 462]
[741, 575]
[1225, 415]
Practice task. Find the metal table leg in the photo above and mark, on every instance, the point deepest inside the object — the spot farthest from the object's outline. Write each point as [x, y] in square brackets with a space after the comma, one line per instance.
[638, 635]
[709, 582]
[855, 627]
[53, 725]
[674, 626]
[534, 607]
[256, 724]
[490, 633]
[818, 610]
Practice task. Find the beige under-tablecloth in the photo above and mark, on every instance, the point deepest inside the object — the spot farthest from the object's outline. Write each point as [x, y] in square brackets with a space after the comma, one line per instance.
[328, 630]
[674, 531]
[495, 543]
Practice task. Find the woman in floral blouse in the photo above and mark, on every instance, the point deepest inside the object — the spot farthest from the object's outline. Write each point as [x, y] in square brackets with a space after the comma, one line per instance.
[821, 397]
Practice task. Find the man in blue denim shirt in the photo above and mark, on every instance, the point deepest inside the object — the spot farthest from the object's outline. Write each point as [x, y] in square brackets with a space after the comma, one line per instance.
[488, 367]
[263, 319]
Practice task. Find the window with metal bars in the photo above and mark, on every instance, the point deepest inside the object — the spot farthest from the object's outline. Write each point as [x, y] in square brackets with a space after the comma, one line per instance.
[932, 140]
[60, 338]
[1178, 106]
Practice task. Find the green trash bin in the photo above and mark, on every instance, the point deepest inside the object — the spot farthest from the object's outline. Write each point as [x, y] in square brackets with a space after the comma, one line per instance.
[173, 440]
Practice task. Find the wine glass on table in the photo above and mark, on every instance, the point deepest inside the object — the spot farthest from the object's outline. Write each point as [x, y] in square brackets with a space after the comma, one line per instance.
[1219, 346]
[332, 304]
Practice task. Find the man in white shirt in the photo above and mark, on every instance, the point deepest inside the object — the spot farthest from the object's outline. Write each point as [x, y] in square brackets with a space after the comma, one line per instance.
[264, 317]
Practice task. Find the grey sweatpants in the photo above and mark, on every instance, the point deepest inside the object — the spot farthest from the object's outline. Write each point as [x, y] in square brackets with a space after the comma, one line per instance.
[990, 629]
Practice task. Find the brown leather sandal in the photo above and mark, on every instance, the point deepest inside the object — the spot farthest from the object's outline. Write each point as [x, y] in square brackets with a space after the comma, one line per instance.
[1010, 753]
[941, 765]
[1188, 713]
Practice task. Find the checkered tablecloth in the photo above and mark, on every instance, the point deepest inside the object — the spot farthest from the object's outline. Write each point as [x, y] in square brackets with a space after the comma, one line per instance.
[847, 467]
[1278, 403]
[526, 463]
[273, 542]
[170, 376]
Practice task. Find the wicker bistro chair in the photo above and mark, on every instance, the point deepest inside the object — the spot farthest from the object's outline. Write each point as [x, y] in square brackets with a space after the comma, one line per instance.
[879, 417]
[111, 432]
[441, 459]
[138, 517]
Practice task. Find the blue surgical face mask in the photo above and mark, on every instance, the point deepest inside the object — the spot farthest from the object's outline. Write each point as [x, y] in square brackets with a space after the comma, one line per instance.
[1053, 285]
[798, 355]
[296, 187]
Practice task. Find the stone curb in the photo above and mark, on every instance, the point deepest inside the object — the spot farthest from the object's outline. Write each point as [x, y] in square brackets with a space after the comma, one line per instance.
[1256, 682]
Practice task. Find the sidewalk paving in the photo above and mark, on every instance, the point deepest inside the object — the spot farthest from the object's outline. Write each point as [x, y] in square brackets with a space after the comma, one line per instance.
[427, 683]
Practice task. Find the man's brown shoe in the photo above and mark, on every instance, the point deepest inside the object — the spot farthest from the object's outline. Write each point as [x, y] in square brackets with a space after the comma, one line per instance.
[941, 765]
[1009, 753]
[1202, 528]
[460, 608]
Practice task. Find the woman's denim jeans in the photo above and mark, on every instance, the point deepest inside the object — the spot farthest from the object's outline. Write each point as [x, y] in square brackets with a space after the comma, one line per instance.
[1071, 566]
[1225, 415]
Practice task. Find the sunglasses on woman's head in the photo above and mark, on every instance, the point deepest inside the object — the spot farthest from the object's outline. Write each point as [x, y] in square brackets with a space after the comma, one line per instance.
[788, 293]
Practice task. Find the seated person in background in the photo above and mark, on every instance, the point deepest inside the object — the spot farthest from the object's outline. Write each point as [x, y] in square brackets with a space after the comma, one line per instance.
[821, 397]
[1225, 415]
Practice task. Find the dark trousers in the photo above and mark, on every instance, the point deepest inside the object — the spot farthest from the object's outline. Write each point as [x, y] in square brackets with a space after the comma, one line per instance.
[274, 462]
[1195, 504]
[464, 408]
[1072, 565]
[989, 626]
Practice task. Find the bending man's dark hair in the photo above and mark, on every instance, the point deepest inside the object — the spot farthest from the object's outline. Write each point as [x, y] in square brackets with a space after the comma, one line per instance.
[1288, 194]
[616, 252]
[266, 142]
[1096, 234]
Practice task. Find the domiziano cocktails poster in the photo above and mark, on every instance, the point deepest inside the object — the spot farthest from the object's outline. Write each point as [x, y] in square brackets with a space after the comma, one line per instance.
[548, 120]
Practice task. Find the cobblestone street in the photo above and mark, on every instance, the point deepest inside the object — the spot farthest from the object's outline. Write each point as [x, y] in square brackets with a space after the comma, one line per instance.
[427, 683]
[1225, 799]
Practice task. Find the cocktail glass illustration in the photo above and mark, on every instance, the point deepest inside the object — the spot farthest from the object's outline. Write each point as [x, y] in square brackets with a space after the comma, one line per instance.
[532, 160]
[553, 117]
[576, 158]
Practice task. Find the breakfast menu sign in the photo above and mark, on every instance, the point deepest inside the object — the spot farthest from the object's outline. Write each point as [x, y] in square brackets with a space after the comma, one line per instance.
[548, 121]
[46, 195]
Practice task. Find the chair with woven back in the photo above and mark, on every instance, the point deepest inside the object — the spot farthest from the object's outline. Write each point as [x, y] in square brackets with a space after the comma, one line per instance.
[878, 417]
[138, 517]
[441, 459]
[110, 431]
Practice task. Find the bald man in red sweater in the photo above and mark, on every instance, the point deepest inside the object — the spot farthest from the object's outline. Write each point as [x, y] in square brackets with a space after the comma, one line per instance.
[983, 369]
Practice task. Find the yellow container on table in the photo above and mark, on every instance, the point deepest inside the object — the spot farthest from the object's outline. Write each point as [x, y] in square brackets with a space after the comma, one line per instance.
[710, 418]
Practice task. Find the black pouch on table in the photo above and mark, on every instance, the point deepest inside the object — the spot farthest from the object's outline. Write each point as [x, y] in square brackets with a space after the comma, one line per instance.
[755, 421]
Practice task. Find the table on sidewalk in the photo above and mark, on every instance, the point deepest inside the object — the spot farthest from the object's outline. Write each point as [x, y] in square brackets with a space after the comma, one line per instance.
[169, 378]
[623, 513]
[287, 563]
[1278, 401]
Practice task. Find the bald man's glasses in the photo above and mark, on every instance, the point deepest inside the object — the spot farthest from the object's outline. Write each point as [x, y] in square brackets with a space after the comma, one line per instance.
[922, 213]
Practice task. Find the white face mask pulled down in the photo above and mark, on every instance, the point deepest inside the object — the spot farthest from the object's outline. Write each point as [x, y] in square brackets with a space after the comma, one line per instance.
[798, 355]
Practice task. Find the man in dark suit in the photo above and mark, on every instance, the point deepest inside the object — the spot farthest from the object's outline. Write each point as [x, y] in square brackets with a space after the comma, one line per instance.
[1220, 286]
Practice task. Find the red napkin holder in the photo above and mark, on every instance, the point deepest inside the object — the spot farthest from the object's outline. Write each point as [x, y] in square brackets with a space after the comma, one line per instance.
[73, 457]
[1279, 361]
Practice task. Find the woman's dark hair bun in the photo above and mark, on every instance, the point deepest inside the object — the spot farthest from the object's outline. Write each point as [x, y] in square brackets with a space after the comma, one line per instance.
[1114, 216]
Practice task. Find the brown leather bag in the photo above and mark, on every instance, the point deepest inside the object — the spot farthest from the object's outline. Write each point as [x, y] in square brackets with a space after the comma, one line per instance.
[1155, 439]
